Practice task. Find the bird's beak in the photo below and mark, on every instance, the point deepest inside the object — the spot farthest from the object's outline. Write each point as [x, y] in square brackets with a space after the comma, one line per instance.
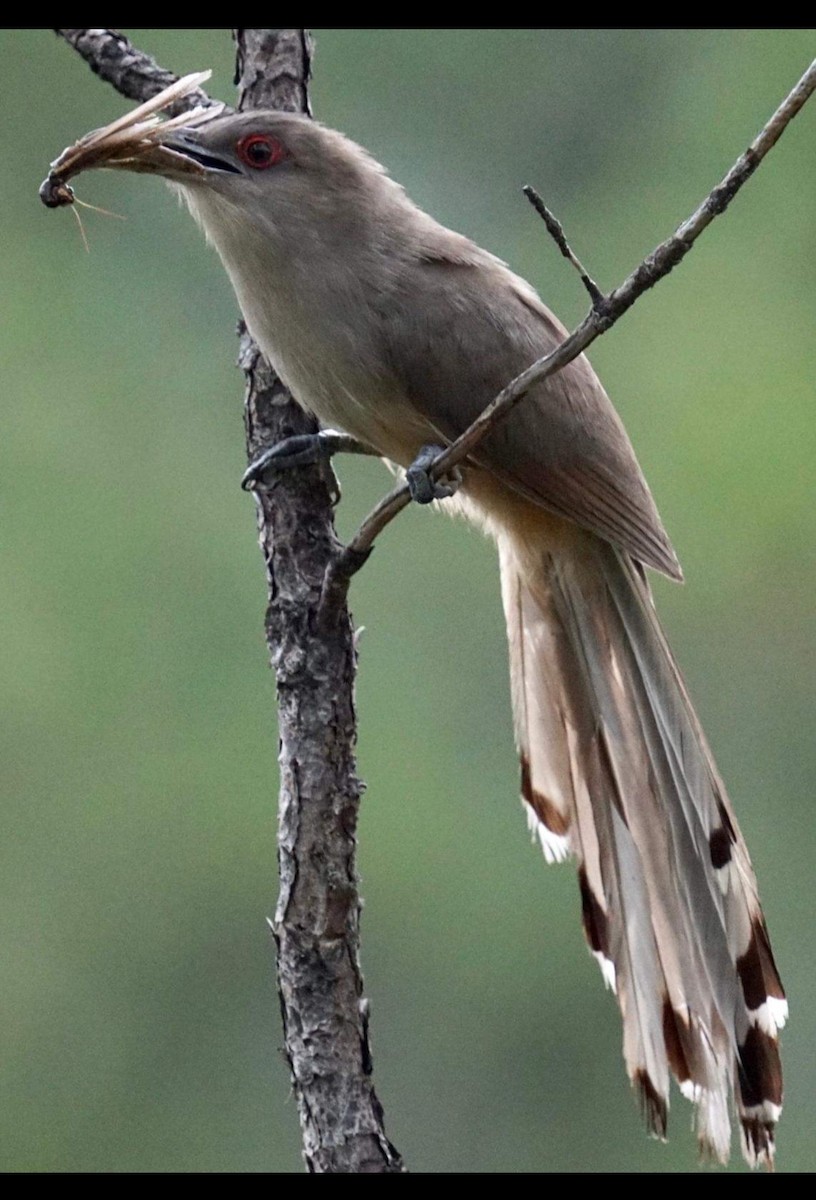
[140, 141]
[184, 144]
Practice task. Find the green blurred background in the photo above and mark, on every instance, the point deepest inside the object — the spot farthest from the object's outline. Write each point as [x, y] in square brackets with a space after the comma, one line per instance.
[140, 1027]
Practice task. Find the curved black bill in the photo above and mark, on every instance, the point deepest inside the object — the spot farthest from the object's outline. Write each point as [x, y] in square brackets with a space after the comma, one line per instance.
[187, 145]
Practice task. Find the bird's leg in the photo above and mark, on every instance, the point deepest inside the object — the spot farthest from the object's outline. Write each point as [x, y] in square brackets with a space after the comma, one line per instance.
[301, 451]
[422, 486]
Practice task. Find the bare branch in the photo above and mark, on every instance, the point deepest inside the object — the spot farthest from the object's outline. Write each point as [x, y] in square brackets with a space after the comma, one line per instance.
[132, 72]
[556, 232]
[605, 312]
[316, 925]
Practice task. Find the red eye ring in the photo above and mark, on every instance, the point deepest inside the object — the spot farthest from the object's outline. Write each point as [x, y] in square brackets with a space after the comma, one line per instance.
[260, 150]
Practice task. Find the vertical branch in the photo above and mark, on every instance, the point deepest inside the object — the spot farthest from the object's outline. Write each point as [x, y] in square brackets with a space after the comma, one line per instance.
[316, 925]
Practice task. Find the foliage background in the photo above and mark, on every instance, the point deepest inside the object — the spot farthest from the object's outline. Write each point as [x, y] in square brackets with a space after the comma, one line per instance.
[139, 1023]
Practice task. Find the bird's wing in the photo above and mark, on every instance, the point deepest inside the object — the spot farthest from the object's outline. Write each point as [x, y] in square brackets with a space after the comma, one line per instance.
[457, 329]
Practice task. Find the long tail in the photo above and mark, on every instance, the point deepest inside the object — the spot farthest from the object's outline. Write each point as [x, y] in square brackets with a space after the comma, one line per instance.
[617, 772]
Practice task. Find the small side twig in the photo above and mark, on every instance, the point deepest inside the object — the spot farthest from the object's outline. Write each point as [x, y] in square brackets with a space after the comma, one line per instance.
[556, 232]
[606, 311]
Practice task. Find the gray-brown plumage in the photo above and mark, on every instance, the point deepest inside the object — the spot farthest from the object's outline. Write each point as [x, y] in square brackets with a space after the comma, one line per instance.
[400, 331]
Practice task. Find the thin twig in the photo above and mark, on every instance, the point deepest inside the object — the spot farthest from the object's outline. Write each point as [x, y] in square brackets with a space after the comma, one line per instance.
[556, 232]
[606, 311]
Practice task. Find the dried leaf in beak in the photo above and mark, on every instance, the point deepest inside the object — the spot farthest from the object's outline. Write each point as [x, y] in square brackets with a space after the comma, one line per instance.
[132, 142]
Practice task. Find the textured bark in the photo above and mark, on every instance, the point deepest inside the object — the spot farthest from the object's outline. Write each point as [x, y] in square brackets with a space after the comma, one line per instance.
[132, 72]
[316, 925]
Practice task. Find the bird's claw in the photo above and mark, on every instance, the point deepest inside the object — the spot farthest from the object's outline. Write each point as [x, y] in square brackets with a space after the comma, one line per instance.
[422, 486]
[304, 450]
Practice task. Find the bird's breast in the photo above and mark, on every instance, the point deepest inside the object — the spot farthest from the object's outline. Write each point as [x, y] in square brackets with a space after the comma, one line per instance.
[319, 325]
[334, 367]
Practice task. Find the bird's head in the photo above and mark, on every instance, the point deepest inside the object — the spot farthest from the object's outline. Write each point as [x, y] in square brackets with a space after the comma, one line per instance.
[276, 175]
[261, 178]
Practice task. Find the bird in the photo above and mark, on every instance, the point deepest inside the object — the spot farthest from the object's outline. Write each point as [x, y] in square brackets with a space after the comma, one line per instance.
[398, 331]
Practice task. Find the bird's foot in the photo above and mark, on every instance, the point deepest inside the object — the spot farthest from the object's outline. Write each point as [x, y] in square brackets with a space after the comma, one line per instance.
[422, 486]
[301, 451]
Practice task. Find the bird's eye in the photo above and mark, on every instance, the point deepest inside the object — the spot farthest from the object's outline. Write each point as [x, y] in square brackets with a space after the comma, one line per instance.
[260, 150]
